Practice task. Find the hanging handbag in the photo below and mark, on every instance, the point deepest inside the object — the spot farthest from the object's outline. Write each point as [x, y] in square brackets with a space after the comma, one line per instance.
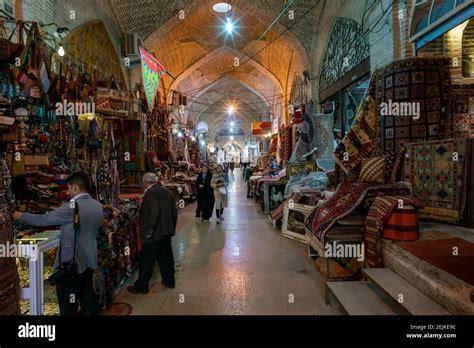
[10, 50]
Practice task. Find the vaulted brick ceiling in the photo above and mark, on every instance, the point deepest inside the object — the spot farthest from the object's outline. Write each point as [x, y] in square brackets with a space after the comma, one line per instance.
[196, 52]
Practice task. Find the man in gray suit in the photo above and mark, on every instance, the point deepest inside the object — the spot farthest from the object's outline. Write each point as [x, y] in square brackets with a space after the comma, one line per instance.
[90, 216]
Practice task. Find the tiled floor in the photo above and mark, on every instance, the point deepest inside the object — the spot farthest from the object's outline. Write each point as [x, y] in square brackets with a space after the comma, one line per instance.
[243, 266]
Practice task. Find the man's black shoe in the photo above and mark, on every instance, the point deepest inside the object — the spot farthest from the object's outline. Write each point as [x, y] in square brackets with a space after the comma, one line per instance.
[171, 286]
[132, 289]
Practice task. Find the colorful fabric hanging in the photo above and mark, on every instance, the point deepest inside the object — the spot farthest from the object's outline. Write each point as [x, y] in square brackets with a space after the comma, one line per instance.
[152, 70]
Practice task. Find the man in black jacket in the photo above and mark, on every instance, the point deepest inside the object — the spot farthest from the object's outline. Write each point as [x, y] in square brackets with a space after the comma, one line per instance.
[157, 224]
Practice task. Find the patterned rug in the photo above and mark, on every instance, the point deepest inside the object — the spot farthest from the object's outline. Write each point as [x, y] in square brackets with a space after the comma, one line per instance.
[439, 253]
[9, 279]
[379, 212]
[359, 141]
[462, 110]
[323, 124]
[436, 179]
[285, 139]
[308, 140]
[347, 198]
[416, 80]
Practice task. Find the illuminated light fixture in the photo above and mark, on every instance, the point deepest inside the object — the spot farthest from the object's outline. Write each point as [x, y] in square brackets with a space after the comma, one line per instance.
[230, 110]
[180, 134]
[222, 7]
[61, 51]
[232, 124]
[231, 137]
[232, 130]
[229, 26]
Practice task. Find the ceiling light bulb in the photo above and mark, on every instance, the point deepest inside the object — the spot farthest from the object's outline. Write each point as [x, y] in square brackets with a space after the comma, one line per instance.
[232, 124]
[230, 110]
[231, 137]
[61, 51]
[229, 26]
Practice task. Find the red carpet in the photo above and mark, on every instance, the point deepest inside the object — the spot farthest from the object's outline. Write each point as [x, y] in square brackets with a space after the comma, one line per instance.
[439, 253]
[117, 308]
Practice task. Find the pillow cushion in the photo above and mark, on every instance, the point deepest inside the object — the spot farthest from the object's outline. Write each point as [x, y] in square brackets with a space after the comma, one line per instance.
[393, 163]
[373, 170]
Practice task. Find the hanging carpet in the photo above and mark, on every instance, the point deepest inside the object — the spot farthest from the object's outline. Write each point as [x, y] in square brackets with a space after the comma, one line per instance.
[422, 81]
[438, 179]
[359, 141]
[462, 110]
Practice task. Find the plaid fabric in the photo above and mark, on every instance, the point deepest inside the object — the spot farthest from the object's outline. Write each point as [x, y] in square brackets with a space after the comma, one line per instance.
[373, 170]
[379, 212]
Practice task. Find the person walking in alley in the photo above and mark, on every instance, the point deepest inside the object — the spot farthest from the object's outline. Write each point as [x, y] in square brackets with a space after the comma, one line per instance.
[219, 183]
[157, 225]
[205, 197]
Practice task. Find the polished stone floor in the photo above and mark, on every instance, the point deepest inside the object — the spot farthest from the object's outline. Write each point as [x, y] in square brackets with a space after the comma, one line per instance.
[243, 266]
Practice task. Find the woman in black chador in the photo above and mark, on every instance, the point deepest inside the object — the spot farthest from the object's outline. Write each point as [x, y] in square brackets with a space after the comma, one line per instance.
[205, 195]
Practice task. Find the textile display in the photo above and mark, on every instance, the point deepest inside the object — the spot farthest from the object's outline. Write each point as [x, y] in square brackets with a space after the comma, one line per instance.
[346, 199]
[307, 145]
[311, 180]
[285, 139]
[268, 179]
[252, 183]
[324, 141]
[118, 243]
[373, 170]
[152, 70]
[438, 179]
[393, 163]
[359, 142]
[424, 82]
[439, 253]
[132, 143]
[379, 212]
[277, 213]
[9, 279]
[462, 110]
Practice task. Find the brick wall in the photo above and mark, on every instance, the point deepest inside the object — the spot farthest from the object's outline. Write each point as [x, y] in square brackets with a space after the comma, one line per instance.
[450, 45]
[59, 11]
[468, 50]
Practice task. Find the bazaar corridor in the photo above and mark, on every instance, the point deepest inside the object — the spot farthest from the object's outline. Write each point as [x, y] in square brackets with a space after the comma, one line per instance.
[243, 266]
